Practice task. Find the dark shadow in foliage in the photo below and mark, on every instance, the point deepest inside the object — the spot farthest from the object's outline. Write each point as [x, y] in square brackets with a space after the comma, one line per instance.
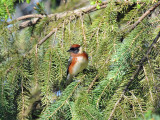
[125, 11]
[122, 14]
[37, 109]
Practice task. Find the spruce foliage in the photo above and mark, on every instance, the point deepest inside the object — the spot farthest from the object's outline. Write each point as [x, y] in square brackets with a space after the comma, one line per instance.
[33, 78]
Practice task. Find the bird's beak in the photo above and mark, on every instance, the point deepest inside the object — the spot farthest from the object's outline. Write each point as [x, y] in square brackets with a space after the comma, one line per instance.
[69, 50]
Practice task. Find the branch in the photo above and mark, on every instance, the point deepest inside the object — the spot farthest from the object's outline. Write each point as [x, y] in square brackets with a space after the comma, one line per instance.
[86, 9]
[73, 15]
[28, 23]
[30, 16]
[57, 16]
[136, 73]
[140, 66]
[131, 27]
[77, 13]
[144, 15]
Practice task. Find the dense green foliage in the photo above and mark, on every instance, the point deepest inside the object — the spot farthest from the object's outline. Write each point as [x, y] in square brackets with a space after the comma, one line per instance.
[33, 80]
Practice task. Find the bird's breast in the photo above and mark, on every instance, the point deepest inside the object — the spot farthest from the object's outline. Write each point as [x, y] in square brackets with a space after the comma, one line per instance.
[81, 63]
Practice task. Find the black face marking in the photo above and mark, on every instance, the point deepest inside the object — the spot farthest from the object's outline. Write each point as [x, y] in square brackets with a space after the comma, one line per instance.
[74, 50]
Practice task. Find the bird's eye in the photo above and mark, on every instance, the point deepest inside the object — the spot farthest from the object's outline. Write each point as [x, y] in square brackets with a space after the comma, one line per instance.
[72, 49]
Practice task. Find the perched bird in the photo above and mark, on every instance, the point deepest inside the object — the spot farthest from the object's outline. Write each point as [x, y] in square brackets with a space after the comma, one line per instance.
[78, 61]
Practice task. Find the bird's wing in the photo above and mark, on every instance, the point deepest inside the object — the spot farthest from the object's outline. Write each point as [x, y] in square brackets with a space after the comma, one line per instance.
[69, 63]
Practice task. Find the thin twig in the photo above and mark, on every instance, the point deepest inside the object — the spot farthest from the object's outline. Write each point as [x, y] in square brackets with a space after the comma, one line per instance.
[7, 10]
[83, 32]
[110, 117]
[92, 83]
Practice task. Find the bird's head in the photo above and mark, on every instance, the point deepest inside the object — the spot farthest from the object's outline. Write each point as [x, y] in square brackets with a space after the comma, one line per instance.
[75, 48]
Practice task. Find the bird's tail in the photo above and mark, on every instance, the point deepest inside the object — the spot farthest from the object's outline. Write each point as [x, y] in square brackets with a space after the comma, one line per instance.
[69, 79]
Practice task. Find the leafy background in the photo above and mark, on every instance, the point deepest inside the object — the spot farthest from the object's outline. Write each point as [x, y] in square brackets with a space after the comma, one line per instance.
[33, 79]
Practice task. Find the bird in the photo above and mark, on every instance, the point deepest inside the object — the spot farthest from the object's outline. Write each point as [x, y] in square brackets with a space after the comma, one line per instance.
[77, 62]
